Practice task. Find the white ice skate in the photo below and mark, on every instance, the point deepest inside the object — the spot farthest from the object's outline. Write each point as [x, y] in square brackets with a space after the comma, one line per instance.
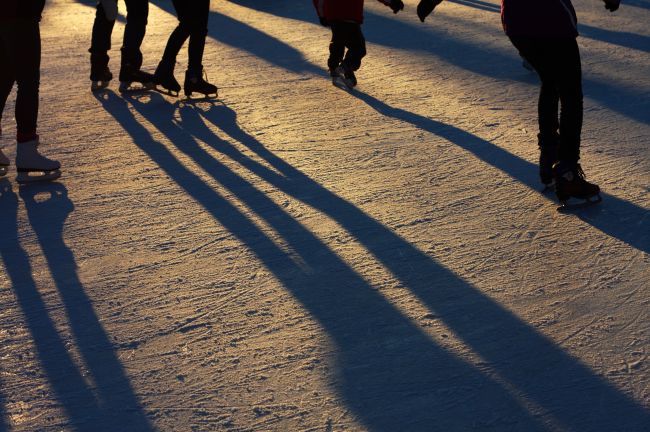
[34, 167]
[4, 164]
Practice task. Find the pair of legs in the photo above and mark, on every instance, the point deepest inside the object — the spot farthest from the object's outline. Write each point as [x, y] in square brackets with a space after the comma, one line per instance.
[193, 24]
[134, 31]
[20, 57]
[346, 35]
[557, 62]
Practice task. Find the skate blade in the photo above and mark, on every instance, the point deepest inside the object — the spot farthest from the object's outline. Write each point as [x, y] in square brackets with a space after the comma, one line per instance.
[567, 206]
[4, 169]
[134, 87]
[26, 177]
[98, 85]
[163, 90]
[203, 97]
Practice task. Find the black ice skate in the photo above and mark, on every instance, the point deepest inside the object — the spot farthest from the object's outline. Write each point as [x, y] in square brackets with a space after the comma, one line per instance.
[195, 83]
[100, 74]
[344, 77]
[4, 164]
[570, 182]
[34, 167]
[165, 81]
[128, 76]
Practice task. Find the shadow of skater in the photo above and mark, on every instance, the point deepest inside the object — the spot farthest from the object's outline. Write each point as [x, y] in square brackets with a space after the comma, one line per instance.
[615, 217]
[108, 404]
[540, 373]
[7, 198]
[391, 374]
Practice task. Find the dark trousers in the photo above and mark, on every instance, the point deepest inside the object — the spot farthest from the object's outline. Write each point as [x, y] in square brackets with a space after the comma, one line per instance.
[137, 12]
[20, 63]
[346, 35]
[557, 62]
[193, 23]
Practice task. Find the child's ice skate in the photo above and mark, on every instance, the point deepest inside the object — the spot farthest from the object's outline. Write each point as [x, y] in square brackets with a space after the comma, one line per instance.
[164, 77]
[100, 74]
[32, 166]
[195, 83]
[570, 182]
[344, 77]
[4, 164]
[129, 76]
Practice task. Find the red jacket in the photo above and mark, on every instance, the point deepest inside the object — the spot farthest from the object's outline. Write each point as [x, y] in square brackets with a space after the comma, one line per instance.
[539, 18]
[342, 10]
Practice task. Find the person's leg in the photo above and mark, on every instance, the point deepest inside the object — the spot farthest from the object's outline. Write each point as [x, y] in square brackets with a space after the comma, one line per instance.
[26, 53]
[137, 12]
[337, 46]
[356, 45]
[569, 78]
[198, 22]
[100, 42]
[539, 54]
[7, 71]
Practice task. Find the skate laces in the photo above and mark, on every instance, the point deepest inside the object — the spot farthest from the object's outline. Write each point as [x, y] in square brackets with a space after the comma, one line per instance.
[580, 173]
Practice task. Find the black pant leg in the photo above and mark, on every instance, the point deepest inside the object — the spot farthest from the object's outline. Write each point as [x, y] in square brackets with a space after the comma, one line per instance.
[571, 99]
[101, 34]
[337, 45]
[198, 23]
[7, 70]
[557, 62]
[356, 44]
[22, 43]
[137, 13]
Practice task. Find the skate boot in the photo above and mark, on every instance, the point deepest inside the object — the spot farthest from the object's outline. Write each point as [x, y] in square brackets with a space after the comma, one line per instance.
[344, 77]
[164, 77]
[195, 83]
[32, 166]
[4, 164]
[548, 155]
[130, 75]
[570, 182]
[100, 74]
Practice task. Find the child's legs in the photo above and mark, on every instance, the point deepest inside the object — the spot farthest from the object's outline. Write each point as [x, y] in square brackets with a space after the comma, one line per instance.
[356, 44]
[337, 45]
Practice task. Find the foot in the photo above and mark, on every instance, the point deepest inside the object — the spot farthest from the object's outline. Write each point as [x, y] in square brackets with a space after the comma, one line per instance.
[164, 77]
[345, 76]
[4, 164]
[100, 74]
[194, 82]
[570, 182]
[32, 166]
[129, 75]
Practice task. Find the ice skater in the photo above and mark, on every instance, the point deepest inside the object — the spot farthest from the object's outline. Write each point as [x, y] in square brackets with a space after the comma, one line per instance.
[544, 32]
[193, 24]
[20, 63]
[345, 17]
[137, 12]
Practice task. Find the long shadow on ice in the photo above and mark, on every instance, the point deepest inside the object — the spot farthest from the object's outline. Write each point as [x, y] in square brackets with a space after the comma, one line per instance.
[392, 375]
[615, 217]
[108, 404]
